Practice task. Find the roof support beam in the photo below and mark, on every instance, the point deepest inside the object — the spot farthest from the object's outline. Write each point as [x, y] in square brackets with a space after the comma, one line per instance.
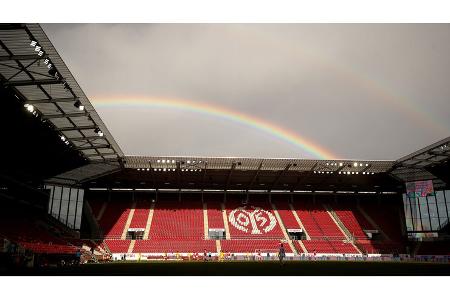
[68, 115]
[282, 172]
[306, 176]
[256, 175]
[87, 138]
[20, 57]
[32, 82]
[53, 100]
[94, 147]
[233, 166]
[77, 128]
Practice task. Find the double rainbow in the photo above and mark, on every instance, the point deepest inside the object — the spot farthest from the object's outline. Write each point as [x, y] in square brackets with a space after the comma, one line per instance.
[274, 130]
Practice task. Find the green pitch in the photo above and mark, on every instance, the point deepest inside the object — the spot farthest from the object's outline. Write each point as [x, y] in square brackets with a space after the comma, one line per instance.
[239, 268]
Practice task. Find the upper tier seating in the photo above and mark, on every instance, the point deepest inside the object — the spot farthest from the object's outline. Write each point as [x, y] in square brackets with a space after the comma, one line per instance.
[177, 220]
[114, 218]
[317, 221]
[215, 216]
[140, 215]
[352, 219]
[286, 215]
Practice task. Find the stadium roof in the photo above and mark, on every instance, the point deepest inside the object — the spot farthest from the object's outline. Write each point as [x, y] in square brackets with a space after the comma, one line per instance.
[31, 66]
[417, 165]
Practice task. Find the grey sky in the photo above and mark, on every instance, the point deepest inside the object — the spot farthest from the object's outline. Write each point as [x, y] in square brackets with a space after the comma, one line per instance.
[360, 91]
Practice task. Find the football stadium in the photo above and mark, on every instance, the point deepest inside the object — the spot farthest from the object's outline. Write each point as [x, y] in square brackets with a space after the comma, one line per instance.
[73, 203]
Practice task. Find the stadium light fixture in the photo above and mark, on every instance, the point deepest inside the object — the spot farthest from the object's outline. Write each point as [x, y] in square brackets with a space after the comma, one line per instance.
[63, 138]
[29, 107]
[355, 164]
[98, 131]
[340, 164]
[78, 105]
[163, 161]
[148, 169]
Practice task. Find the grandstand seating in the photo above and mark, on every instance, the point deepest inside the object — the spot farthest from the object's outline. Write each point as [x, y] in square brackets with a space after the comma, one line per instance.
[352, 219]
[34, 234]
[140, 215]
[114, 218]
[118, 246]
[215, 216]
[325, 246]
[317, 221]
[252, 245]
[174, 220]
[286, 214]
[434, 248]
[173, 245]
[178, 226]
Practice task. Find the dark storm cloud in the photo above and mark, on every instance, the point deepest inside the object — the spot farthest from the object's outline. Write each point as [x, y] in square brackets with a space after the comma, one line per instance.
[360, 91]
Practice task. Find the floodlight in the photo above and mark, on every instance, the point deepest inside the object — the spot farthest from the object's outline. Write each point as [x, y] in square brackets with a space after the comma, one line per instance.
[355, 164]
[29, 107]
[78, 105]
[98, 131]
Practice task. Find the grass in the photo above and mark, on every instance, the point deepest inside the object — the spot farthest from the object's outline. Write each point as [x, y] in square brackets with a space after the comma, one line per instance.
[240, 268]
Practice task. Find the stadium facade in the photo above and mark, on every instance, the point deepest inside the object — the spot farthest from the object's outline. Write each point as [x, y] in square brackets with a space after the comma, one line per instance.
[65, 177]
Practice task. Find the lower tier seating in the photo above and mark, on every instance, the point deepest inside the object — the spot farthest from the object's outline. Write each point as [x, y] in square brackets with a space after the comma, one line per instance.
[118, 246]
[252, 245]
[166, 246]
[324, 246]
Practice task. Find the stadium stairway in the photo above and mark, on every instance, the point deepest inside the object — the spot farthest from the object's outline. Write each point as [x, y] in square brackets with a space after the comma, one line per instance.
[205, 220]
[225, 221]
[283, 229]
[130, 248]
[127, 224]
[342, 227]
[302, 246]
[299, 221]
[338, 222]
[218, 246]
[149, 222]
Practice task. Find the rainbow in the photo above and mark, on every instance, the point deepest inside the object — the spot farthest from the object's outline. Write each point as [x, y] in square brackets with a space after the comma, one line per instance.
[274, 130]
